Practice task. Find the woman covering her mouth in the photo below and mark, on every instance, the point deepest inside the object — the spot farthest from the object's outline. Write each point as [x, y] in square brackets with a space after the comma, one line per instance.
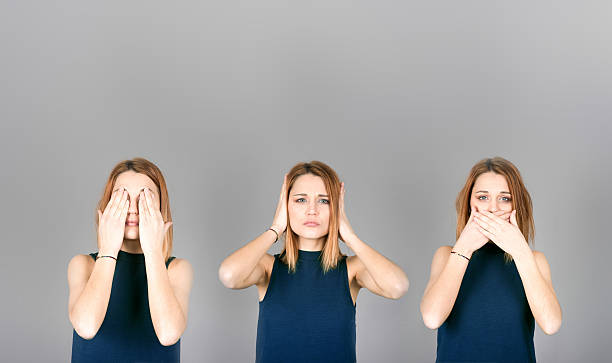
[128, 302]
[485, 292]
[307, 293]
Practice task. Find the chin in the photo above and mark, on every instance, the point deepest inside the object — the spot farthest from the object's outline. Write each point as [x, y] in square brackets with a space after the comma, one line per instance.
[131, 233]
[311, 234]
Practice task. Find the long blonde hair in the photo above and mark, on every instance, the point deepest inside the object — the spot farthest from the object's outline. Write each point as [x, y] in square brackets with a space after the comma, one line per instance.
[142, 166]
[331, 250]
[521, 200]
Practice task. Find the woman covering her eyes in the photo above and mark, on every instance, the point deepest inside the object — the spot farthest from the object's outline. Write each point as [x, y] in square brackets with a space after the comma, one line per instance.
[307, 293]
[128, 302]
[486, 290]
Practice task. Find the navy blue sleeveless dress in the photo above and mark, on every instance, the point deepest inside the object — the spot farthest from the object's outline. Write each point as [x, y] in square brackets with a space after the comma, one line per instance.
[306, 316]
[126, 334]
[491, 320]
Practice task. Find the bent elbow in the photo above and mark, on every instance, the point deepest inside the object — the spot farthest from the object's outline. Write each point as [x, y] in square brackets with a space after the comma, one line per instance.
[399, 289]
[226, 276]
[169, 338]
[431, 320]
[86, 331]
[551, 328]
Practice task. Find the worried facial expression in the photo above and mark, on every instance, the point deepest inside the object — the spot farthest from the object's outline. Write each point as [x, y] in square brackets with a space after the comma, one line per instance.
[308, 207]
[491, 193]
[134, 183]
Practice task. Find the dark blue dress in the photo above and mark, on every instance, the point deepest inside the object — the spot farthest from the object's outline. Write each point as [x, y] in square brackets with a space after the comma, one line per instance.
[491, 320]
[306, 316]
[126, 334]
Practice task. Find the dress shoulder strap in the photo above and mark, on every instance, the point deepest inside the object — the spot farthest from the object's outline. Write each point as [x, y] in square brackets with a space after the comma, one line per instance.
[169, 260]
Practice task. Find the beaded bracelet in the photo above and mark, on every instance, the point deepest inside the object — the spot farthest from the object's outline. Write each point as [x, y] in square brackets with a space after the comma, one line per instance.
[458, 254]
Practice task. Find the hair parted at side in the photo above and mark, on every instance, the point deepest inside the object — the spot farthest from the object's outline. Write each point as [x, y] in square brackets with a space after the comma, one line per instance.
[142, 166]
[521, 200]
[330, 254]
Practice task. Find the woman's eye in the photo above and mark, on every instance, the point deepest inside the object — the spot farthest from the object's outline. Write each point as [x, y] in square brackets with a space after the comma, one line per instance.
[506, 199]
[324, 201]
[300, 200]
[481, 197]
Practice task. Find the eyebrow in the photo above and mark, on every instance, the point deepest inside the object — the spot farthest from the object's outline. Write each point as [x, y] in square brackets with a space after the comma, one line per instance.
[305, 195]
[486, 191]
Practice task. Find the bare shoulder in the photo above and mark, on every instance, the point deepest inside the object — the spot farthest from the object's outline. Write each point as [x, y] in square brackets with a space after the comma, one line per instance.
[80, 266]
[180, 269]
[539, 256]
[442, 253]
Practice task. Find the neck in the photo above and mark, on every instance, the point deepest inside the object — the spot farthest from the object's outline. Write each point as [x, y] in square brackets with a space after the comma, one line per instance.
[131, 246]
[307, 244]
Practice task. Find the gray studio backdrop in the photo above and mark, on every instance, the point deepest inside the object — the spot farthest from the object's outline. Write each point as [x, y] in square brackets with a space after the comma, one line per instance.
[401, 97]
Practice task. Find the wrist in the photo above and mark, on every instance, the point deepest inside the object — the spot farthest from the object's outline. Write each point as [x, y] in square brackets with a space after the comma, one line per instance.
[522, 254]
[108, 252]
[463, 250]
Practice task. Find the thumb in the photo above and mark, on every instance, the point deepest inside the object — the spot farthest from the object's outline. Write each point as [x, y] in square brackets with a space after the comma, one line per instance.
[167, 226]
[513, 218]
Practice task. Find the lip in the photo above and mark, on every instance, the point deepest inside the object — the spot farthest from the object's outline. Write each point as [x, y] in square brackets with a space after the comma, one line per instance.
[131, 223]
[311, 224]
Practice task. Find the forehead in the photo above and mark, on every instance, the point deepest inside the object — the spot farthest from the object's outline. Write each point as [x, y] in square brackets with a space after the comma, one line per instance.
[134, 181]
[309, 183]
[491, 182]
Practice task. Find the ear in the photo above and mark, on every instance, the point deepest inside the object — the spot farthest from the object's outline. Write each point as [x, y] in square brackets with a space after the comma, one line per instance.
[167, 226]
[513, 218]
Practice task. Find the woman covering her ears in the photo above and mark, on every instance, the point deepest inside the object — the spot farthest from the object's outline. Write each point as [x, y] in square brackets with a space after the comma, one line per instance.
[307, 293]
[128, 302]
[485, 291]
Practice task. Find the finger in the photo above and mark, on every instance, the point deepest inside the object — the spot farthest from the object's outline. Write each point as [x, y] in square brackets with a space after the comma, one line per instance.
[513, 218]
[116, 202]
[150, 205]
[142, 215]
[472, 213]
[491, 218]
[110, 201]
[484, 224]
[167, 227]
[124, 210]
[486, 233]
[120, 204]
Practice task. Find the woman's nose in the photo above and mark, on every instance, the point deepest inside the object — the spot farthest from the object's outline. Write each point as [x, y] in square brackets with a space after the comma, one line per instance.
[312, 208]
[133, 208]
[493, 206]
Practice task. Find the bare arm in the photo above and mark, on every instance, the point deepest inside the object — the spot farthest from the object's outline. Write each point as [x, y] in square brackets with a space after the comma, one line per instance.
[168, 291]
[372, 270]
[532, 267]
[90, 287]
[251, 264]
[90, 282]
[444, 282]
[375, 272]
[535, 274]
[447, 272]
[248, 265]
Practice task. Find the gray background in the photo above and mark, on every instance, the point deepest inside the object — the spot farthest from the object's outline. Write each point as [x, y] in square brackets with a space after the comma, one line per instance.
[402, 98]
